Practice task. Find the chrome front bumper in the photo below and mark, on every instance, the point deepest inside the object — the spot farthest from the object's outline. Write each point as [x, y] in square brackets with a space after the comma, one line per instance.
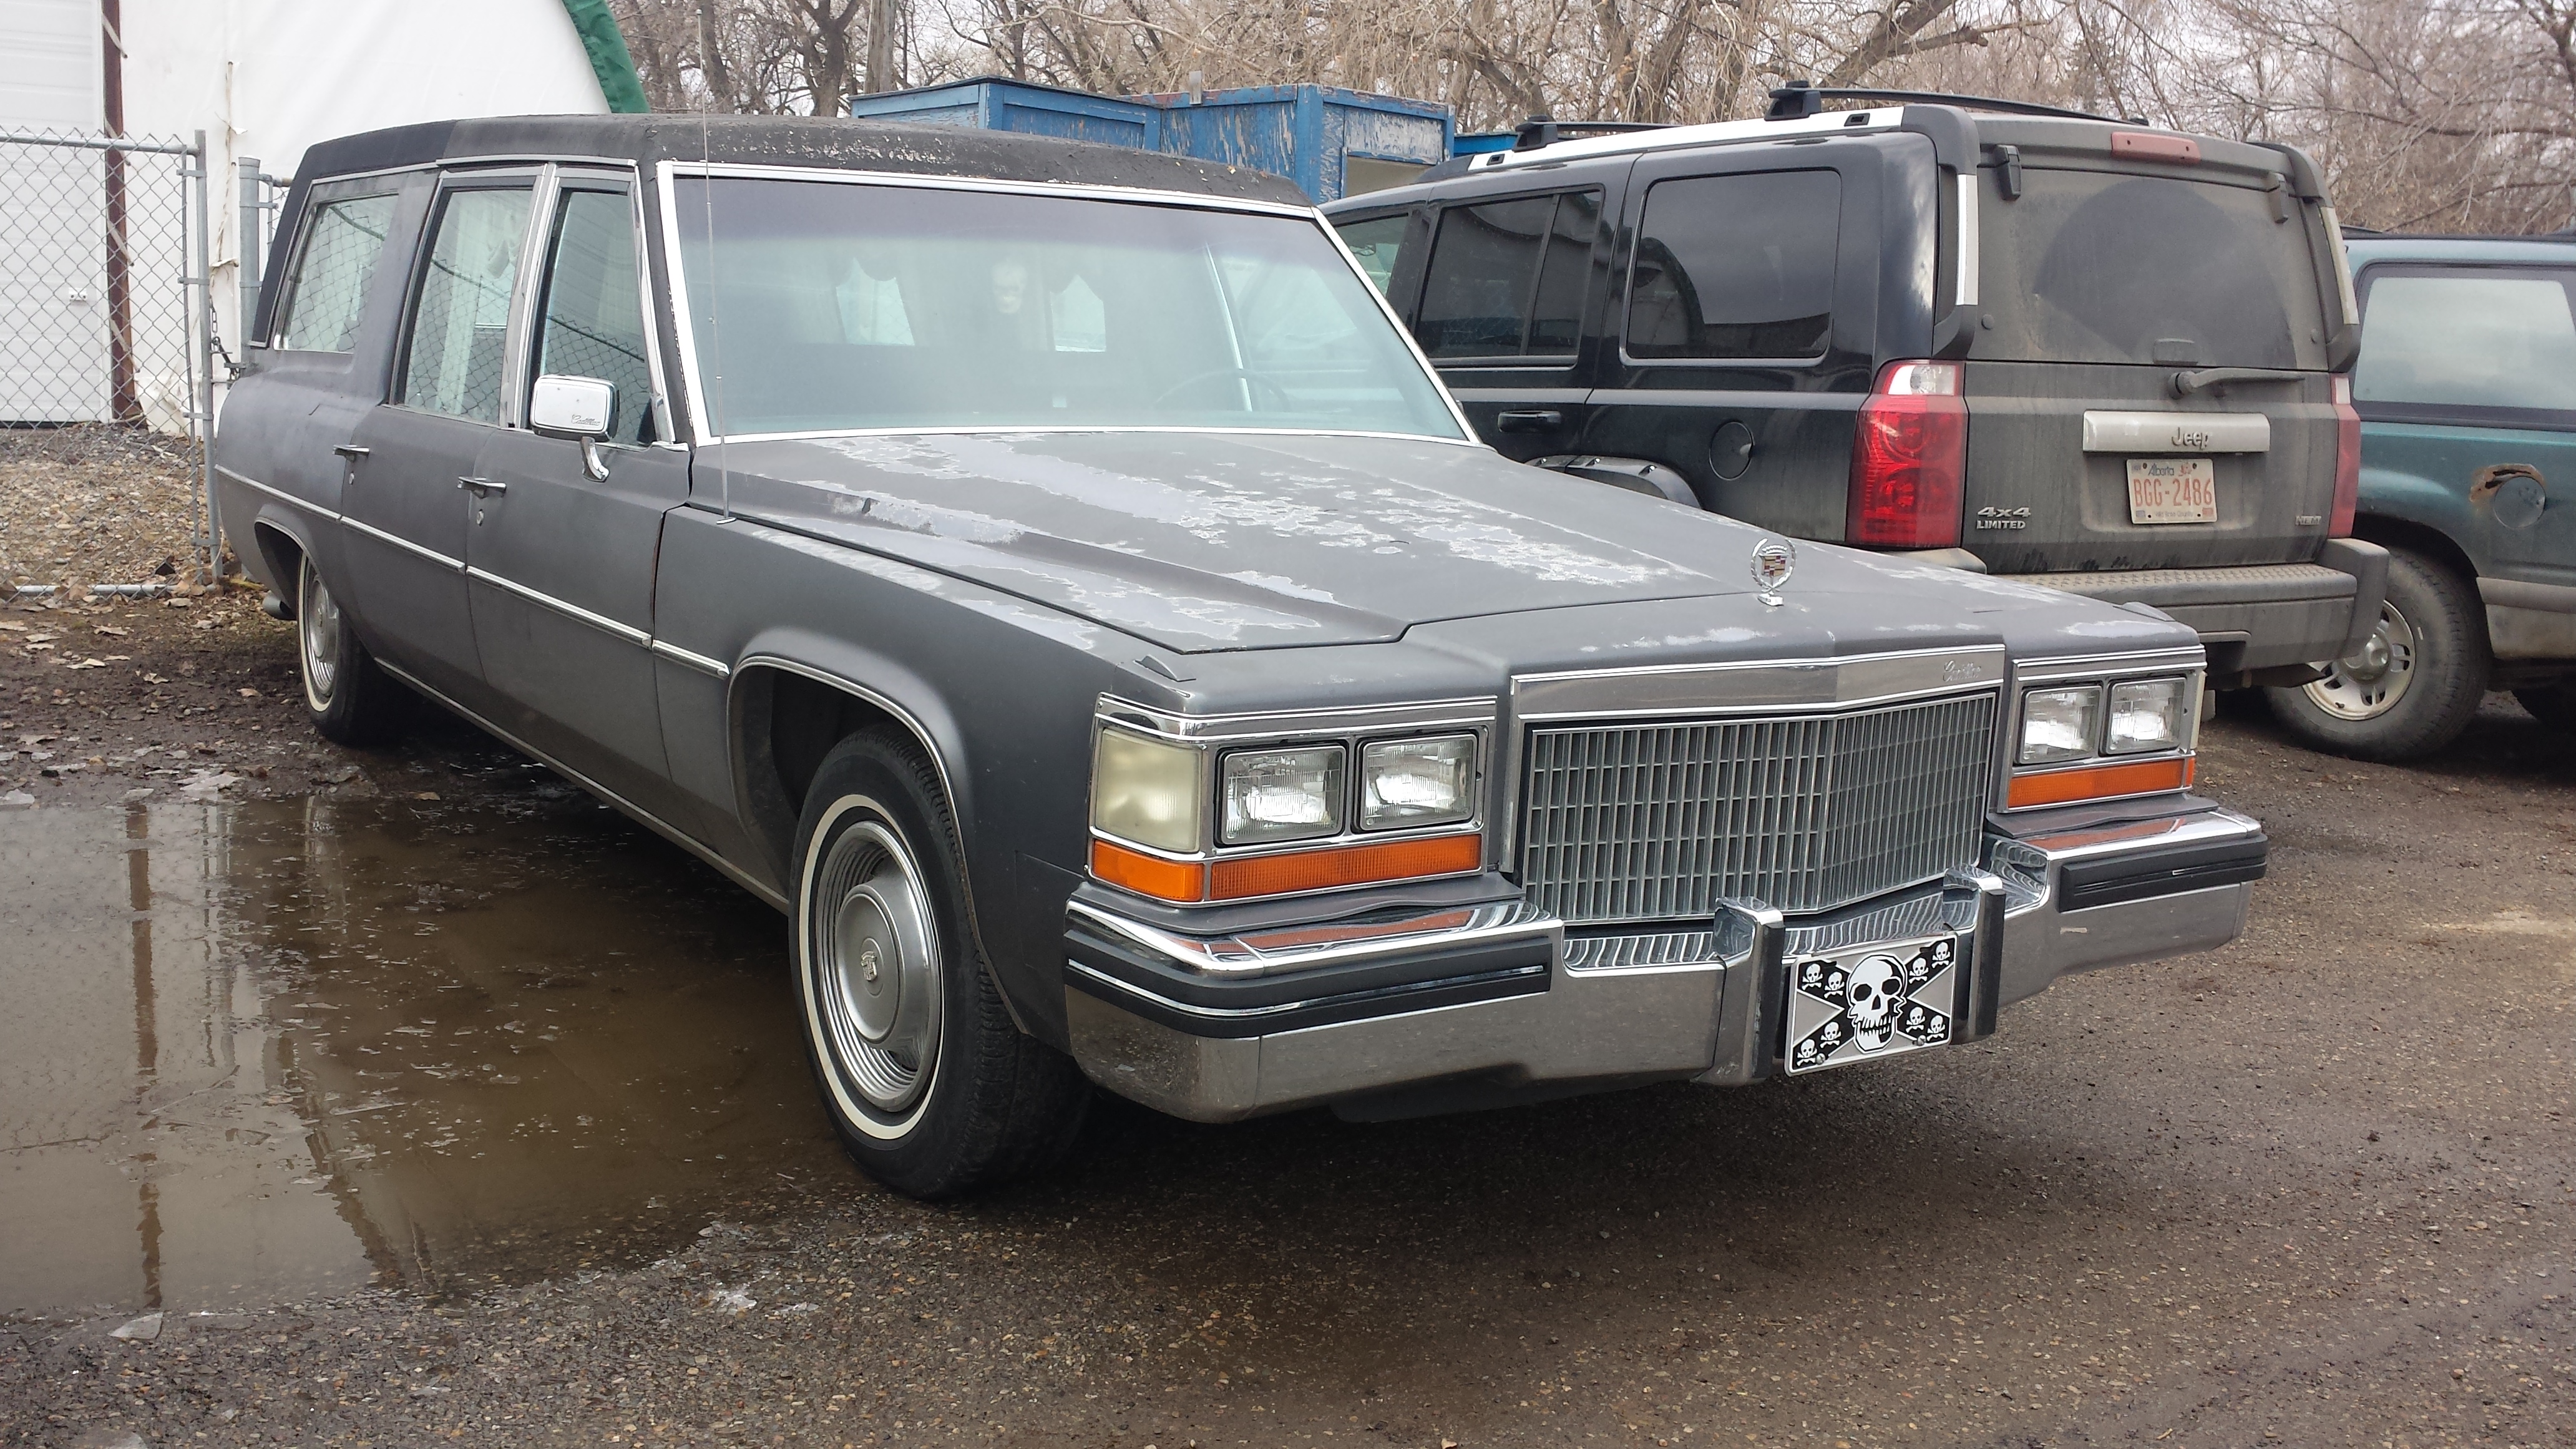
[1487, 1002]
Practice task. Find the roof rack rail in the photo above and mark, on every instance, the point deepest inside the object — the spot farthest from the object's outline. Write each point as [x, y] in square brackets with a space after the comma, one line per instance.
[1805, 98]
[1546, 130]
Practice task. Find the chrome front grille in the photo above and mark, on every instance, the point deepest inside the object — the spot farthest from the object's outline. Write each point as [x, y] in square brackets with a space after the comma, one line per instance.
[1653, 822]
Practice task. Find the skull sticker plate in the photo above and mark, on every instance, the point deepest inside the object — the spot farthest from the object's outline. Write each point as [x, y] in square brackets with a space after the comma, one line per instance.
[1876, 1002]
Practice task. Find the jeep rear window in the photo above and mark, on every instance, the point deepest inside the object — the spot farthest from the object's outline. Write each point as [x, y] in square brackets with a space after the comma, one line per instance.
[2468, 339]
[1736, 266]
[821, 307]
[2099, 266]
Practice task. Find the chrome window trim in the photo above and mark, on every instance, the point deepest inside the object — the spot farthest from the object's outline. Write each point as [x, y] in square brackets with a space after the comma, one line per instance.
[518, 350]
[1015, 431]
[669, 171]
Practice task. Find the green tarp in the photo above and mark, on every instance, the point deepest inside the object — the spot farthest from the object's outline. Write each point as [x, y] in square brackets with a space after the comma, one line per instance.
[608, 58]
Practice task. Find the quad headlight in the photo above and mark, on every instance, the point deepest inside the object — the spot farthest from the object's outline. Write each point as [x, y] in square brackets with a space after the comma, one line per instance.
[1405, 783]
[2059, 724]
[1282, 795]
[2147, 715]
[2102, 739]
[1194, 821]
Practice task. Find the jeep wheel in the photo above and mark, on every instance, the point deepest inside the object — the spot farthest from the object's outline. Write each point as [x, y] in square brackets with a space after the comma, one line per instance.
[931, 1087]
[2413, 686]
[348, 698]
[2554, 705]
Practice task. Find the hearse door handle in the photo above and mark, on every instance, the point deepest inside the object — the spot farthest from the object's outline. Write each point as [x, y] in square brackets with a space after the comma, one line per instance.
[350, 450]
[482, 487]
[1537, 420]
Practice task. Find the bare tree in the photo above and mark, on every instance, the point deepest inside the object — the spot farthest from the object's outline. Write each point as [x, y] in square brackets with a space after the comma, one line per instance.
[2456, 113]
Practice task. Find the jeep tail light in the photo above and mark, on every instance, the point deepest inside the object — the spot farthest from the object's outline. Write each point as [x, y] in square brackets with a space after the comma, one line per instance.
[2347, 494]
[1909, 466]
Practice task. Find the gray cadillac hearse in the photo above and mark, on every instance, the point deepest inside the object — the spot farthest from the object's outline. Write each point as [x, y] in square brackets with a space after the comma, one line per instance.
[1051, 575]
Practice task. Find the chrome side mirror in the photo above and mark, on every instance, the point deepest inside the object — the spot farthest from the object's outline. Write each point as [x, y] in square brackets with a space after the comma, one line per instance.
[575, 407]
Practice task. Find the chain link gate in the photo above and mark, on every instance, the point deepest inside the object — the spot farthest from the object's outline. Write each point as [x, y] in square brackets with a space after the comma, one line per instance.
[104, 300]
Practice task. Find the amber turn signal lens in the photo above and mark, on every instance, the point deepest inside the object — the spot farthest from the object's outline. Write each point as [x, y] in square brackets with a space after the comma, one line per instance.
[2099, 782]
[1149, 875]
[1345, 865]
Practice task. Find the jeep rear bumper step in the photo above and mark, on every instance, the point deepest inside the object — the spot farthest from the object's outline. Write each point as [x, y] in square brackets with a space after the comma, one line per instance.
[2255, 617]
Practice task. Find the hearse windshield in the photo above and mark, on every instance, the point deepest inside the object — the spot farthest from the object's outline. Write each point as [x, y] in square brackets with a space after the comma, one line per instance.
[823, 306]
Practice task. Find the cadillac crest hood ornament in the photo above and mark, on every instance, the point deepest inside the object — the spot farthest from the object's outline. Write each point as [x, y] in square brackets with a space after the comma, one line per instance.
[1773, 561]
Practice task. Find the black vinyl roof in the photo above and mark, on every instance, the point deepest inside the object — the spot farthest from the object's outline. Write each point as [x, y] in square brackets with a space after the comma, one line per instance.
[832, 142]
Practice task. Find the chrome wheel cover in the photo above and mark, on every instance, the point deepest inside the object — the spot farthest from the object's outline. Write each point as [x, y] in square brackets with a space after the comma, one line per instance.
[2369, 682]
[317, 629]
[872, 970]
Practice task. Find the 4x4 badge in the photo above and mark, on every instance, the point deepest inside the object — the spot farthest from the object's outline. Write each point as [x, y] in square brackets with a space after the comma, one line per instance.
[1773, 561]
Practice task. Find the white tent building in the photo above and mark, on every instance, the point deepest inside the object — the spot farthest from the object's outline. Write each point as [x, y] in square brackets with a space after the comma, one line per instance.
[262, 78]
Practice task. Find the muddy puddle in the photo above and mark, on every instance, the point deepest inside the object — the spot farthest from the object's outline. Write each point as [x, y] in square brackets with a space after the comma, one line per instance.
[259, 1051]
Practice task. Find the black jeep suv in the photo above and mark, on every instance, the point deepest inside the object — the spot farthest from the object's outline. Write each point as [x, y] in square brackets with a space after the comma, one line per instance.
[2061, 348]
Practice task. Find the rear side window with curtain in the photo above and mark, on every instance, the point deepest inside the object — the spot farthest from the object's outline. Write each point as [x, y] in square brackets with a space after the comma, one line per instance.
[326, 293]
[1736, 266]
[1507, 278]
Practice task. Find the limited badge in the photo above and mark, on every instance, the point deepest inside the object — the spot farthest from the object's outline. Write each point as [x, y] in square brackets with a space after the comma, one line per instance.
[1773, 561]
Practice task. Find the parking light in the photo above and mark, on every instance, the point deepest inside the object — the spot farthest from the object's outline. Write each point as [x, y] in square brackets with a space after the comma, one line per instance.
[1909, 464]
[2099, 782]
[1147, 791]
[1243, 877]
[1407, 783]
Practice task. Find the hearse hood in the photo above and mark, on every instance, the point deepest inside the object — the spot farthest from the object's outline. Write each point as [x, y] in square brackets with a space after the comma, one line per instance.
[1202, 541]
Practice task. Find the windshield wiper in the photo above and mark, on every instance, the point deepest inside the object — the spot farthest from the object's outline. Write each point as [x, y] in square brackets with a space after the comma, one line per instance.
[2187, 383]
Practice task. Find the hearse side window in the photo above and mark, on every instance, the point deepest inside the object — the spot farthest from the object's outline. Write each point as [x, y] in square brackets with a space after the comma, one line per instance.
[2482, 339]
[1736, 266]
[594, 315]
[1506, 277]
[1375, 243]
[461, 322]
[327, 291]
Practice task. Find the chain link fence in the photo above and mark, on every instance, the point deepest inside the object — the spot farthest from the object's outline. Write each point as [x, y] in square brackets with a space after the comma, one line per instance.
[104, 297]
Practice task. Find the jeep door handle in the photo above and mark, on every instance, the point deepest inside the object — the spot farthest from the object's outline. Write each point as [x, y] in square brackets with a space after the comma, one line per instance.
[1536, 420]
[482, 487]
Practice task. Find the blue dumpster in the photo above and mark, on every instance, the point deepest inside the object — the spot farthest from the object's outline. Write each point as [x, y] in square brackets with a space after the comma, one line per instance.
[1331, 142]
[993, 104]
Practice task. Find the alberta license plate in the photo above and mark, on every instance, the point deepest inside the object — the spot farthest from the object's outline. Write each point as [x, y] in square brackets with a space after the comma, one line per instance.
[1871, 1003]
[2172, 490]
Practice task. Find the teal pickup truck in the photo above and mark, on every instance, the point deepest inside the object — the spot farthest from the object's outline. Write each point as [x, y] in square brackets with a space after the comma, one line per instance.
[2466, 386]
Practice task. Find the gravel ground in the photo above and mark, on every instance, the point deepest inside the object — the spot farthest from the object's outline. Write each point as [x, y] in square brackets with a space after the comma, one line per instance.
[2316, 1189]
